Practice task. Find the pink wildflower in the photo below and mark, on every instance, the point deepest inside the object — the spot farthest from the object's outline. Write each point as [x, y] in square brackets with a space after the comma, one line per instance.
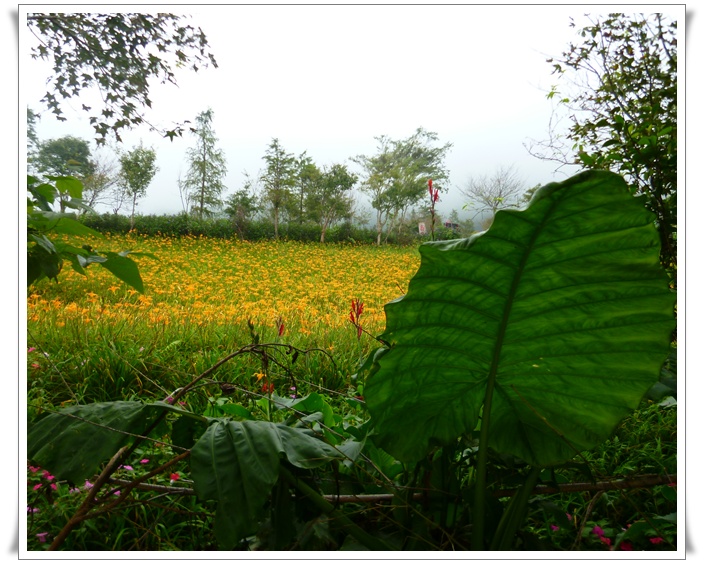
[42, 536]
[657, 540]
[625, 545]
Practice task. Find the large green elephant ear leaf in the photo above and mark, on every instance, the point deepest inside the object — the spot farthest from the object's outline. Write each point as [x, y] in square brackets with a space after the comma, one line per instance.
[554, 322]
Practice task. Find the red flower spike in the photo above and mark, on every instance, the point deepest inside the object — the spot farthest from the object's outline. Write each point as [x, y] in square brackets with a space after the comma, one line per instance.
[356, 313]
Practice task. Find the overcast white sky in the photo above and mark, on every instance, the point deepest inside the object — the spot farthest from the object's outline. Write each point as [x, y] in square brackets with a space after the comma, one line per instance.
[329, 79]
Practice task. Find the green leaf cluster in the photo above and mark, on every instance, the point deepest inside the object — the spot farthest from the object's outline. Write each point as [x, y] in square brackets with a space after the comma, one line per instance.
[237, 464]
[627, 118]
[118, 53]
[46, 253]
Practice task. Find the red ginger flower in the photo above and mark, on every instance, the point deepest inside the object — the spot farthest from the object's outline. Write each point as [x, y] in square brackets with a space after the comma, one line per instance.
[356, 313]
[434, 195]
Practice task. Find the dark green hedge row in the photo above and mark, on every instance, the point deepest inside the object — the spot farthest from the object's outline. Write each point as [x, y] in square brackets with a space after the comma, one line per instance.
[184, 224]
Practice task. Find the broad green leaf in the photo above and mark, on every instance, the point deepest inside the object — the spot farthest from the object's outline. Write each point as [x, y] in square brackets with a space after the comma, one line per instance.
[44, 194]
[308, 404]
[560, 316]
[69, 185]
[73, 442]
[236, 463]
[125, 269]
[66, 224]
[44, 242]
[235, 410]
[137, 254]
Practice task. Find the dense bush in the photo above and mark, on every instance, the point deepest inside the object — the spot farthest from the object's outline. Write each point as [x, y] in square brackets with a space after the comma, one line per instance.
[223, 228]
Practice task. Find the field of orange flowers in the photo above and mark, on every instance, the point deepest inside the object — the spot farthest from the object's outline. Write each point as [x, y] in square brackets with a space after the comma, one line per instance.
[207, 290]
[197, 281]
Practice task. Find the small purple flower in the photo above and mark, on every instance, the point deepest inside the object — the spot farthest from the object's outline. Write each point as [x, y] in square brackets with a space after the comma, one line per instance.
[598, 531]
[88, 485]
[32, 509]
[169, 400]
[144, 461]
[127, 467]
[554, 527]
[42, 536]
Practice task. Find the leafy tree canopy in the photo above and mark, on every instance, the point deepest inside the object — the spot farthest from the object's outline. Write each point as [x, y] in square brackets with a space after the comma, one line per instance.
[137, 169]
[207, 168]
[621, 95]
[396, 177]
[329, 200]
[278, 178]
[66, 156]
[119, 54]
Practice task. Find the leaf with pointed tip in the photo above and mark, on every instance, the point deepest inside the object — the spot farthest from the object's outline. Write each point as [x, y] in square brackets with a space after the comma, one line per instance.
[236, 463]
[555, 322]
[73, 442]
[125, 269]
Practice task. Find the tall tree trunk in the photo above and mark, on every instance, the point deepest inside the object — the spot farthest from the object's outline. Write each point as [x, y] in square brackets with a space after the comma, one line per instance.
[379, 228]
[134, 205]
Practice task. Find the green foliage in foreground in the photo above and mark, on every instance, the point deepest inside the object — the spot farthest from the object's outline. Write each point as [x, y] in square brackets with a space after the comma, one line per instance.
[576, 276]
[46, 255]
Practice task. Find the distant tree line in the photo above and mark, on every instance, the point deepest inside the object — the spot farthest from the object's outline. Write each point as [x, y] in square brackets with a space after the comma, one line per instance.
[291, 197]
[617, 84]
